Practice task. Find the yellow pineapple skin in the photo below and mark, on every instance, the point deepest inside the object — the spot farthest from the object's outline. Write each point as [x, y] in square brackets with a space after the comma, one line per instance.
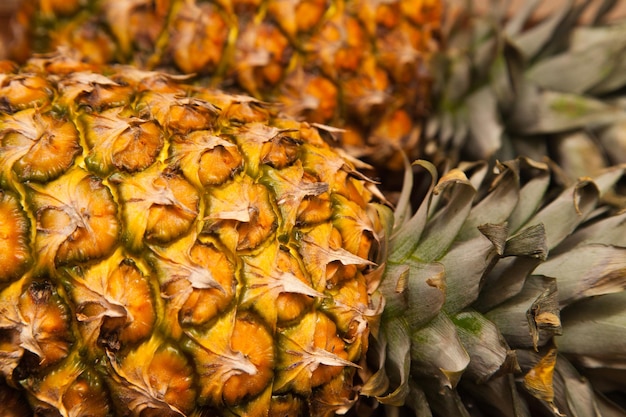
[361, 65]
[178, 252]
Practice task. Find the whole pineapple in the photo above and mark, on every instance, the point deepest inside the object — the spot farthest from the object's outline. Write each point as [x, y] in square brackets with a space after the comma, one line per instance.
[355, 64]
[176, 251]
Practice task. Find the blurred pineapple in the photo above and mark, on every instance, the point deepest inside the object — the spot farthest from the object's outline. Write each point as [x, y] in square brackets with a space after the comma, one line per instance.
[8, 28]
[359, 65]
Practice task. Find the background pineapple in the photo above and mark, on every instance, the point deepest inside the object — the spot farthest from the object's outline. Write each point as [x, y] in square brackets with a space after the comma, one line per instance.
[175, 250]
[356, 64]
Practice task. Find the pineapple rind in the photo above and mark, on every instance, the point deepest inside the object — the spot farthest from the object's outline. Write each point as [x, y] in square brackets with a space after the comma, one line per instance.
[358, 64]
[15, 236]
[146, 256]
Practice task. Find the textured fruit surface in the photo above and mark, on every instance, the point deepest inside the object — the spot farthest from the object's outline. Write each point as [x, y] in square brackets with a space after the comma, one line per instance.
[361, 65]
[168, 250]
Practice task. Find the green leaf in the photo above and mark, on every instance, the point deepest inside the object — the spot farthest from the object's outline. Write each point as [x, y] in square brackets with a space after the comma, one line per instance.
[586, 271]
[443, 227]
[532, 192]
[594, 331]
[606, 231]
[609, 409]
[554, 112]
[403, 208]
[588, 37]
[485, 126]
[610, 39]
[488, 351]
[614, 138]
[495, 207]
[425, 292]
[418, 402]
[465, 265]
[573, 394]
[445, 401]
[475, 171]
[530, 318]
[519, 20]
[437, 352]
[532, 41]
[529, 242]
[415, 291]
[390, 384]
[578, 70]
[606, 380]
[393, 288]
[501, 395]
[407, 234]
[579, 154]
[505, 281]
[561, 217]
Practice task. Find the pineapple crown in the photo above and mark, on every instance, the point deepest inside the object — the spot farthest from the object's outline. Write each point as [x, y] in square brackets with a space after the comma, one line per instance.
[495, 264]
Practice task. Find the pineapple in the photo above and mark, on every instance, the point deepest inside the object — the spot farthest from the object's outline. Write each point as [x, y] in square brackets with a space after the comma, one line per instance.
[355, 64]
[14, 37]
[168, 249]
[172, 250]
